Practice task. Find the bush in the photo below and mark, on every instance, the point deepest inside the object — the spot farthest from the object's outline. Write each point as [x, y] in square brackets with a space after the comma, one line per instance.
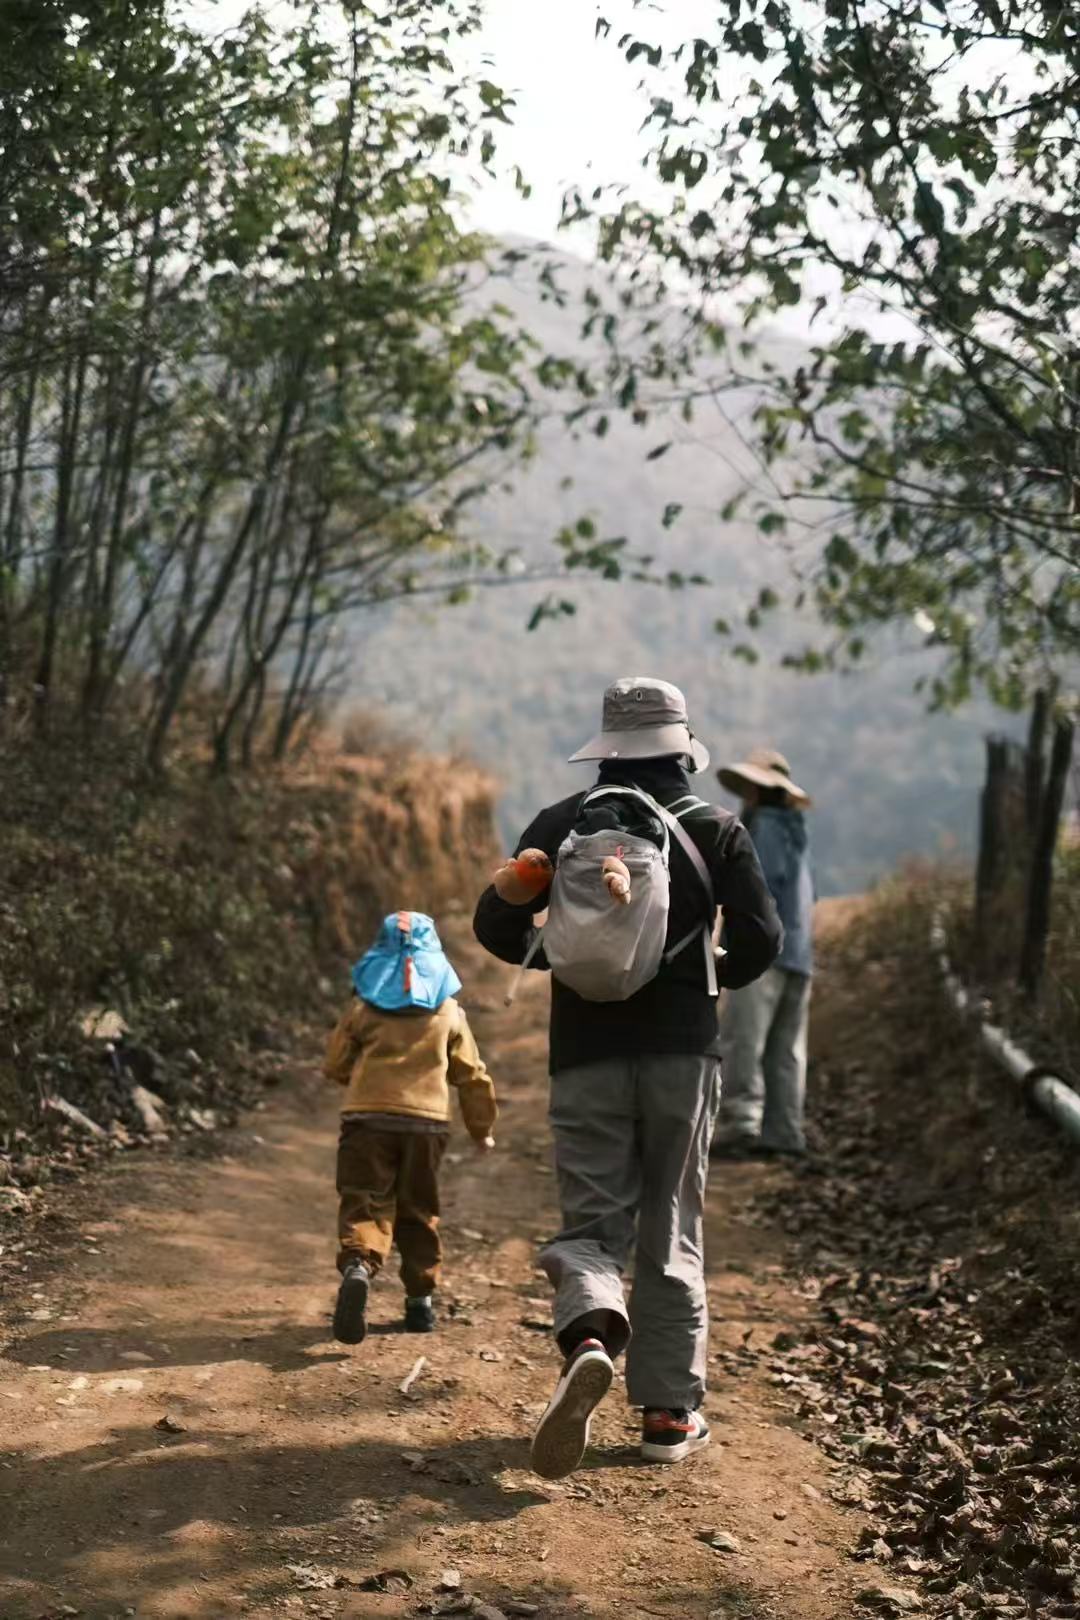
[205, 912]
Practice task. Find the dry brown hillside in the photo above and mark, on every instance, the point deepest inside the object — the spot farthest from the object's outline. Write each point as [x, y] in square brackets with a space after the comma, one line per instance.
[211, 917]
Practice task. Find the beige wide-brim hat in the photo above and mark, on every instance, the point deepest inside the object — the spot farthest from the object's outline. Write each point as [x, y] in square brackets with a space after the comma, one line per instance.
[766, 768]
[644, 718]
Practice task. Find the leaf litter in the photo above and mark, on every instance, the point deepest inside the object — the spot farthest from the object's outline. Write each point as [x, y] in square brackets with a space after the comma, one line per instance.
[940, 1374]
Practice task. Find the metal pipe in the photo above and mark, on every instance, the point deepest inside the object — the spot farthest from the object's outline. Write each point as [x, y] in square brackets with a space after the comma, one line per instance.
[1059, 1101]
[960, 998]
[1048, 1091]
[1008, 1054]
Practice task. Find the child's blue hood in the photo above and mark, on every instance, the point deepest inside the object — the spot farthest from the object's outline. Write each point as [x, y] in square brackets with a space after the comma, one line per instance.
[406, 967]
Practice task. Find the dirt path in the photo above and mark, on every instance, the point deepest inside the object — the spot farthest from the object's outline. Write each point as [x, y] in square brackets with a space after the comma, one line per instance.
[203, 1298]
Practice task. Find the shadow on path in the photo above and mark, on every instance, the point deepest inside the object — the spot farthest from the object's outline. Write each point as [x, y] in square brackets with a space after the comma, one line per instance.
[287, 1348]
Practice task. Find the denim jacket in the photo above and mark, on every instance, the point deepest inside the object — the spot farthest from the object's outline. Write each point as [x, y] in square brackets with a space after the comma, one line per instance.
[783, 846]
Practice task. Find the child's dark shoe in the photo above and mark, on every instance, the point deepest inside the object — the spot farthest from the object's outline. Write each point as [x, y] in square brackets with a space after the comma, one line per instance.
[350, 1324]
[419, 1315]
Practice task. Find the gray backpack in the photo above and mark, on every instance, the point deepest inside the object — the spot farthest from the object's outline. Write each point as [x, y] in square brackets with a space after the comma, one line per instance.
[605, 951]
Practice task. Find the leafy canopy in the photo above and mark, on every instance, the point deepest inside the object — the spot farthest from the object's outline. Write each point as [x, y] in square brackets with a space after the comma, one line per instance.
[253, 368]
[908, 171]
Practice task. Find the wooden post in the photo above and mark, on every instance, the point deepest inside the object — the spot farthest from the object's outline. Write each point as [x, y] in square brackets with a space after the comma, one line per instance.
[1035, 763]
[991, 830]
[1040, 889]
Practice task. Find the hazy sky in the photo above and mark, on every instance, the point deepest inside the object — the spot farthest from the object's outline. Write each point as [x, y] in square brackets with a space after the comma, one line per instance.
[578, 116]
[578, 112]
[577, 119]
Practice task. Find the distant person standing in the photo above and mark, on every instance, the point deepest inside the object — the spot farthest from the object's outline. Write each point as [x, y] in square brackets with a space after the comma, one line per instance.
[764, 1026]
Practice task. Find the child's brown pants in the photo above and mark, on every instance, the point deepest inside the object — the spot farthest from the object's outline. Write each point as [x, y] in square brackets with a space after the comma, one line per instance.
[388, 1182]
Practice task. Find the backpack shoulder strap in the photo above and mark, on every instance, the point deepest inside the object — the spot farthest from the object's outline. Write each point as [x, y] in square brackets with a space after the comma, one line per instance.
[697, 860]
[689, 801]
[690, 850]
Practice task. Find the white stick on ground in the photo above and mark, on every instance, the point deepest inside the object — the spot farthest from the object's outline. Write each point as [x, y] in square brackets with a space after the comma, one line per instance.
[150, 1109]
[60, 1105]
[418, 1366]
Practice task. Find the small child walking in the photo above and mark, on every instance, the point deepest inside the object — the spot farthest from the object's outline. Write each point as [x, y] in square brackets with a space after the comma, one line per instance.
[398, 1047]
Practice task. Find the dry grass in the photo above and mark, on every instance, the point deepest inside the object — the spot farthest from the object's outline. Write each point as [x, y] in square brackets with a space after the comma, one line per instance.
[206, 911]
[970, 1154]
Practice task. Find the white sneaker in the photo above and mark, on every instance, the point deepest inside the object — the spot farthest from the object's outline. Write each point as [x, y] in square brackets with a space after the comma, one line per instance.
[672, 1436]
[563, 1432]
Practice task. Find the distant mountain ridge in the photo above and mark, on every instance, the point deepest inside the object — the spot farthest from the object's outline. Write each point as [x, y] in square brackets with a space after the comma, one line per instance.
[889, 781]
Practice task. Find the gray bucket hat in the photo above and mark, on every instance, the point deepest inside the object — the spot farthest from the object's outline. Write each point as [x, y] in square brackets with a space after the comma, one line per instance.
[644, 719]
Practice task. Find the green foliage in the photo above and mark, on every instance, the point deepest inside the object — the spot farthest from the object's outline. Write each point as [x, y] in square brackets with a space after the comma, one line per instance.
[898, 160]
[248, 385]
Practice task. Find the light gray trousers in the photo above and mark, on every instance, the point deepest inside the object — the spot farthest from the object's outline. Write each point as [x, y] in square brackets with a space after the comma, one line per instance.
[763, 1043]
[632, 1152]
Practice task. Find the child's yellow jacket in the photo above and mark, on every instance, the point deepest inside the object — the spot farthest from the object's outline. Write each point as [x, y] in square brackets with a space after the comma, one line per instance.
[406, 1062]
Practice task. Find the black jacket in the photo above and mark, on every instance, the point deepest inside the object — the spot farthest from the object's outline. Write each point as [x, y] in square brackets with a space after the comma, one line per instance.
[673, 1013]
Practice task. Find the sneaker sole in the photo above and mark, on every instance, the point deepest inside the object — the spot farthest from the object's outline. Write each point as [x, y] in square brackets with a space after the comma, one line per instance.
[673, 1454]
[563, 1433]
[349, 1323]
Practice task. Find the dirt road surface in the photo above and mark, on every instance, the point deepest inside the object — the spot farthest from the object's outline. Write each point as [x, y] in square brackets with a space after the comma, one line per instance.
[180, 1436]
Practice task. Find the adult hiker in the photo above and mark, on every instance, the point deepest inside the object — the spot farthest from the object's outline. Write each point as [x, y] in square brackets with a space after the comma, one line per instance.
[763, 1028]
[640, 866]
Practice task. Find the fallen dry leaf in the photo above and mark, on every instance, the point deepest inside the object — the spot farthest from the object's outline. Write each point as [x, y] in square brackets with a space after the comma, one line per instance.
[385, 1580]
[309, 1578]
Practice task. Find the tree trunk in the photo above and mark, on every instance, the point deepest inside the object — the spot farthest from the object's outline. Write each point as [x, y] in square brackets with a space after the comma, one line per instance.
[1040, 891]
[1035, 763]
[176, 678]
[991, 862]
[251, 724]
[96, 683]
[266, 643]
[67, 442]
[291, 702]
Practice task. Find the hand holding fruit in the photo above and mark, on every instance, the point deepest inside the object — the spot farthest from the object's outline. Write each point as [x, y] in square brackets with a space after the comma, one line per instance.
[617, 879]
[523, 877]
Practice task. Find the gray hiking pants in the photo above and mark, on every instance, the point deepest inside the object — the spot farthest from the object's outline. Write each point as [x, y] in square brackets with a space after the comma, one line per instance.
[763, 1035]
[631, 1152]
